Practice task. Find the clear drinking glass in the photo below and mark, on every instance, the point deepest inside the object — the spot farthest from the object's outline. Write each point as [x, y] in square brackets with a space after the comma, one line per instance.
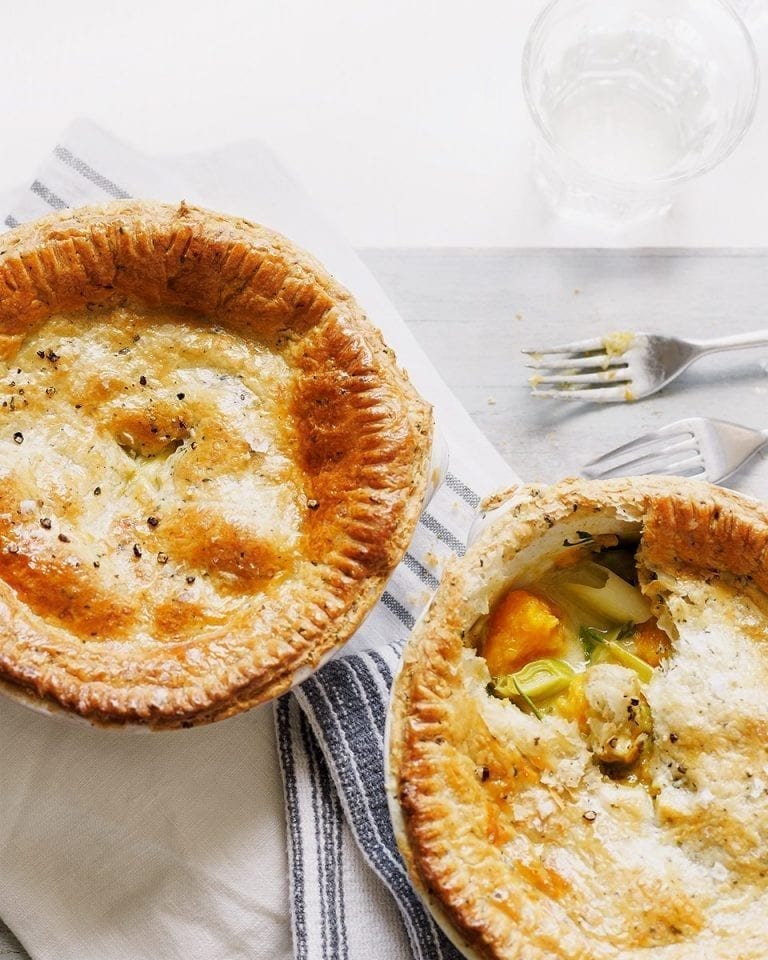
[752, 12]
[633, 98]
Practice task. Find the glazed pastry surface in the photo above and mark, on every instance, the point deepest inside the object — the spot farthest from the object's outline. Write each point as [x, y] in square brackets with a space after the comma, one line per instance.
[522, 838]
[209, 463]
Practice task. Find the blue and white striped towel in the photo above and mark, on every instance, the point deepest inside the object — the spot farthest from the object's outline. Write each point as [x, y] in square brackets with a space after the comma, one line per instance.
[331, 739]
[350, 896]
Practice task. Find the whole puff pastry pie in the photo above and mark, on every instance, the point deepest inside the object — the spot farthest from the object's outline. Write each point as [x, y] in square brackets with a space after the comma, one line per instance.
[210, 463]
[579, 733]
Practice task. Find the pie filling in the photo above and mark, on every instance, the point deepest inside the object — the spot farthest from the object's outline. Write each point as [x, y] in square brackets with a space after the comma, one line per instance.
[622, 763]
[543, 642]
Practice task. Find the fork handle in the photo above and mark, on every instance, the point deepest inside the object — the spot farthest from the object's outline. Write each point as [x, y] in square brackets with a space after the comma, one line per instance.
[758, 338]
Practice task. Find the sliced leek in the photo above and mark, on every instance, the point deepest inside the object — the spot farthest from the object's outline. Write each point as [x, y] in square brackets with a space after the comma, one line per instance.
[527, 699]
[627, 659]
[598, 646]
[537, 680]
[616, 599]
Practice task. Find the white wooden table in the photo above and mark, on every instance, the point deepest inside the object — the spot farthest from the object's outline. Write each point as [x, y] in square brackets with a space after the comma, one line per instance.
[474, 309]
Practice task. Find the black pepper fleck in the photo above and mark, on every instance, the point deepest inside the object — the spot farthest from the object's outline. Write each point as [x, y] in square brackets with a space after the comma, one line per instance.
[143, 380]
[96, 564]
[190, 579]
[97, 491]
[64, 538]
[313, 504]
[18, 437]
[45, 523]
[136, 550]
[53, 357]
[673, 738]
[152, 521]
[180, 396]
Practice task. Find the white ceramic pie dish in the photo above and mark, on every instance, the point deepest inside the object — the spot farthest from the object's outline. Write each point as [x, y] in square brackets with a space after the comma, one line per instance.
[211, 463]
[516, 827]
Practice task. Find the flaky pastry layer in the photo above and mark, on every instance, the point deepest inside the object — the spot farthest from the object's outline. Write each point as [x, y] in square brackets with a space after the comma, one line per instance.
[522, 844]
[210, 463]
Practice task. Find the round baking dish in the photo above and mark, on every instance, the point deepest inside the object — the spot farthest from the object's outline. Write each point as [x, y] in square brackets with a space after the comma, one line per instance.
[211, 464]
[593, 795]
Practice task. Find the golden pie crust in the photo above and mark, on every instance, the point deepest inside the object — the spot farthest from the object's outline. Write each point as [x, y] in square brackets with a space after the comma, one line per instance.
[520, 843]
[210, 463]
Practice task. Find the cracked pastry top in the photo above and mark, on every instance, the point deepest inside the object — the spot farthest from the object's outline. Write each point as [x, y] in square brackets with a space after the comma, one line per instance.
[209, 463]
[579, 733]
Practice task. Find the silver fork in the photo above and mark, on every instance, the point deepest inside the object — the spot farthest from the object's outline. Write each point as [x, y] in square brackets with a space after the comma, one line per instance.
[696, 447]
[622, 366]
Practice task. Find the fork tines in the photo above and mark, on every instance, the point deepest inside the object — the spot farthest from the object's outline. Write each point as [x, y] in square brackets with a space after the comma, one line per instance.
[579, 370]
[665, 451]
[575, 348]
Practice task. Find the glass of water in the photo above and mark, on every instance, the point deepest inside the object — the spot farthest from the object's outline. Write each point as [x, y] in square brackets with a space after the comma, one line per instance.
[752, 12]
[633, 98]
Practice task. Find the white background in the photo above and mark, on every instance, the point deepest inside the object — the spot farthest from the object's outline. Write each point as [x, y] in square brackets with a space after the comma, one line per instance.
[403, 118]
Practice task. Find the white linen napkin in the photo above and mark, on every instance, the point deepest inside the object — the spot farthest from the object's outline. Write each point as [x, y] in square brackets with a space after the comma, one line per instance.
[119, 846]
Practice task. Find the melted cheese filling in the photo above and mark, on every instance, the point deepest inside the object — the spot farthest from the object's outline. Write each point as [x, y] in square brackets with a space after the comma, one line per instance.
[148, 478]
[680, 856]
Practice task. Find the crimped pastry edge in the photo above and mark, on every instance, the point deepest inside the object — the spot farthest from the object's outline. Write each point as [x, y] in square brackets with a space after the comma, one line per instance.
[69, 232]
[736, 529]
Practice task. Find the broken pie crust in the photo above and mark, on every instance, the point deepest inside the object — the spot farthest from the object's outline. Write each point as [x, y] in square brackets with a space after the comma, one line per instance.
[517, 839]
[210, 463]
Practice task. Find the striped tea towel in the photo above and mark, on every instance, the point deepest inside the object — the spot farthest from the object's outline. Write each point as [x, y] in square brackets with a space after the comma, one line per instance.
[194, 866]
[331, 743]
